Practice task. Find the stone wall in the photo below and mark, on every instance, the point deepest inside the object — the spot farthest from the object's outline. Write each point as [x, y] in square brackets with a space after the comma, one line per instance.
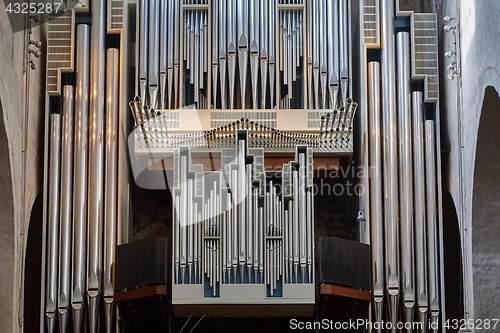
[21, 154]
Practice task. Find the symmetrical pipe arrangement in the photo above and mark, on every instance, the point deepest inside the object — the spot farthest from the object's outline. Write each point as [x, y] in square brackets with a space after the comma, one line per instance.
[81, 227]
[151, 131]
[404, 227]
[287, 52]
[235, 227]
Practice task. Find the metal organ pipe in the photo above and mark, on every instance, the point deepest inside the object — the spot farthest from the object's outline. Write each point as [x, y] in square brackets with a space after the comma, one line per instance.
[419, 190]
[377, 222]
[111, 184]
[405, 173]
[96, 163]
[66, 207]
[390, 159]
[143, 48]
[53, 223]
[154, 51]
[432, 243]
[80, 177]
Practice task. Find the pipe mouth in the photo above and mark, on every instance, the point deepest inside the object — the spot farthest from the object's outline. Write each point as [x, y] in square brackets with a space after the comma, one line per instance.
[349, 100]
[131, 103]
[354, 105]
[137, 99]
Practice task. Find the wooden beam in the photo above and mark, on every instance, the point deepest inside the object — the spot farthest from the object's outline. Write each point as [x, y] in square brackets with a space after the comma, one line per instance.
[273, 162]
[328, 289]
[140, 293]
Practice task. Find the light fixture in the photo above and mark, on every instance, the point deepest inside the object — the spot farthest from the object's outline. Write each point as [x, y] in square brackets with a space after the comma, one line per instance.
[452, 66]
[37, 43]
[448, 19]
[449, 28]
[451, 76]
[36, 53]
[33, 65]
[450, 54]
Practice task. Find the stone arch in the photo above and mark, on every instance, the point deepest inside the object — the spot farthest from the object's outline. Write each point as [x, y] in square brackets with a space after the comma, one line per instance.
[33, 268]
[453, 260]
[7, 247]
[486, 210]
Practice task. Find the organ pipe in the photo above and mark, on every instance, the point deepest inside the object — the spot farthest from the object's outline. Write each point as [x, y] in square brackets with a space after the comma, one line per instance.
[111, 184]
[66, 207]
[53, 223]
[432, 240]
[242, 226]
[377, 222]
[420, 218]
[405, 173]
[390, 160]
[96, 164]
[80, 177]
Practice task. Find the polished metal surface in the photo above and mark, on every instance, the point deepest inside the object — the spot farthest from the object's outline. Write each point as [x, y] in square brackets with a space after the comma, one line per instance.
[95, 216]
[390, 152]
[405, 173]
[376, 195]
[420, 216]
[111, 185]
[66, 207]
[432, 236]
[80, 179]
[53, 223]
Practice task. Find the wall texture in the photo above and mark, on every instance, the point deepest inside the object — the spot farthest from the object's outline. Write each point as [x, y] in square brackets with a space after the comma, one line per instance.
[21, 151]
[478, 44]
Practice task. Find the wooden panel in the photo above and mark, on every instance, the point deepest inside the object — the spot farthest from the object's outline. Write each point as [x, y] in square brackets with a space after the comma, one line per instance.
[211, 162]
[140, 293]
[327, 289]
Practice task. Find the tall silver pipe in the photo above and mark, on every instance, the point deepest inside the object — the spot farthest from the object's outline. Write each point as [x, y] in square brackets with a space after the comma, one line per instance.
[231, 48]
[66, 207]
[172, 17]
[111, 178]
[432, 243]
[154, 52]
[242, 47]
[377, 222]
[215, 49]
[254, 48]
[182, 216]
[223, 19]
[323, 53]
[419, 190]
[316, 61]
[310, 50]
[332, 40]
[234, 227]
[176, 41]
[164, 52]
[264, 50]
[272, 51]
[96, 163]
[302, 214]
[405, 173]
[242, 214]
[390, 159]
[344, 48]
[249, 222]
[295, 210]
[53, 222]
[143, 48]
[80, 177]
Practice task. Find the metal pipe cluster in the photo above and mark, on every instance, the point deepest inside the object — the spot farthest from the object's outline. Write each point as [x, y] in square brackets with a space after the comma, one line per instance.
[258, 50]
[196, 51]
[151, 131]
[159, 55]
[404, 229]
[235, 227]
[81, 233]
